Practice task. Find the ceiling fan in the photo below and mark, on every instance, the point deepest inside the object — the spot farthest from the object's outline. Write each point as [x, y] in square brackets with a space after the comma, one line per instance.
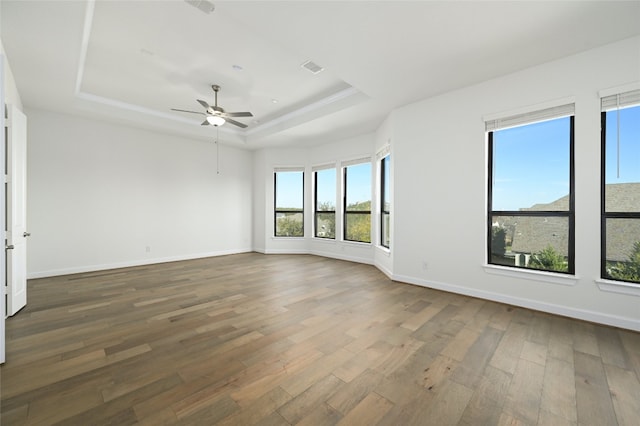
[216, 115]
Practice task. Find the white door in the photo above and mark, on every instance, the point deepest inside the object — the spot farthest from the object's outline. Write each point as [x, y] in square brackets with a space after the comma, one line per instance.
[16, 210]
[2, 213]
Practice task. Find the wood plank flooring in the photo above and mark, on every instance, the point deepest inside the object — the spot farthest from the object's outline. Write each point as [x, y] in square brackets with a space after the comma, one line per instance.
[296, 339]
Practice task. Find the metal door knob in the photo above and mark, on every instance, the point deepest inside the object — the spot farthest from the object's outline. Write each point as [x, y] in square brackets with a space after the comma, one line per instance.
[26, 234]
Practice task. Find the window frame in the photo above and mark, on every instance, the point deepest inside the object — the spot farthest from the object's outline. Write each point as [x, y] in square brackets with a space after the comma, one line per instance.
[604, 214]
[383, 199]
[569, 214]
[286, 211]
[315, 205]
[345, 211]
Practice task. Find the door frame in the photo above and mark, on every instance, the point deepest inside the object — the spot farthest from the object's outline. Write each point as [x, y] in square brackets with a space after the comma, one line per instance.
[3, 212]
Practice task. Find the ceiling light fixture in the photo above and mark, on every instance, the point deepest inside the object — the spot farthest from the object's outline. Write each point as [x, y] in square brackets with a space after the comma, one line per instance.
[215, 120]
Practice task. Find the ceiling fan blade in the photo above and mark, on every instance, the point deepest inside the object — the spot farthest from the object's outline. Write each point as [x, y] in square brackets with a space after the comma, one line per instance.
[203, 103]
[238, 114]
[235, 123]
[205, 123]
[184, 110]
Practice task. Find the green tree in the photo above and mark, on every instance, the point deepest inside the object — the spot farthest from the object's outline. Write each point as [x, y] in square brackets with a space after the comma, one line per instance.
[498, 240]
[549, 260]
[326, 222]
[358, 226]
[627, 271]
[290, 226]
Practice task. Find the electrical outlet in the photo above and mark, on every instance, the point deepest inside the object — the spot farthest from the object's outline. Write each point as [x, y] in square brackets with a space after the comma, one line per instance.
[425, 265]
[148, 249]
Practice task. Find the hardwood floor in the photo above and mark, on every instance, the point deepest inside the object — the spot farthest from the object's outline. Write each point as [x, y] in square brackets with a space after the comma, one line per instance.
[279, 340]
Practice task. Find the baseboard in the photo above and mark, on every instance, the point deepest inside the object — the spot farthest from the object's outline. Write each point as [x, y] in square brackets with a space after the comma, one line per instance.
[286, 251]
[342, 257]
[384, 270]
[128, 264]
[582, 314]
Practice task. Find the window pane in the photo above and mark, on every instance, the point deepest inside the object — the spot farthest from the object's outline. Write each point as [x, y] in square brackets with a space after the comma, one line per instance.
[386, 233]
[386, 184]
[623, 249]
[358, 190]
[622, 168]
[326, 190]
[289, 225]
[530, 242]
[289, 191]
[531, 167]
[358, 227]
[326, 225]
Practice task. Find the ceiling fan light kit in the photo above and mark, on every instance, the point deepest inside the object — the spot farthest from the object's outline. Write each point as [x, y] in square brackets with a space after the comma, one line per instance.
[216, 120]
[215, 115]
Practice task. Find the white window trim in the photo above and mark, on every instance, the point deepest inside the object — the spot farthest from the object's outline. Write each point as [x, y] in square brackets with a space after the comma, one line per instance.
[533, 275]
[621, 287]
[626, 96]
[530, 109]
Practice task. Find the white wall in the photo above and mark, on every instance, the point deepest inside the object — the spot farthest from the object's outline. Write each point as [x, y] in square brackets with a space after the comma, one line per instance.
[440, 182]
[102, 195]
[11, 95]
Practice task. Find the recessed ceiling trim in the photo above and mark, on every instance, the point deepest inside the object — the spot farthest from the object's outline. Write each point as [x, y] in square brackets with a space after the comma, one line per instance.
[84, 45]
[350, 91]
[132, 107]
[293, 115]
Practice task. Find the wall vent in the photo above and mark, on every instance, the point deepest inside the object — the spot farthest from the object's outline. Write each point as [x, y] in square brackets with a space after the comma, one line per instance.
[202, 5]
[312, 67]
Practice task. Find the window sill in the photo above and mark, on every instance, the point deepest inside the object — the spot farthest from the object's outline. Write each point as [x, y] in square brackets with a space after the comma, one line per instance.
[384, 250]
[621, 287]
[527, 274]
[356, 243]
[288, 238]
[324, 240]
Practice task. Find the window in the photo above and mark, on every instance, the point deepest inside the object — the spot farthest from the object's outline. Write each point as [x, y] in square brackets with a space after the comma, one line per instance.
[357, 201]
[621, 187]
[385, 204]
[289, 202]
[530, 191]
[325, 203]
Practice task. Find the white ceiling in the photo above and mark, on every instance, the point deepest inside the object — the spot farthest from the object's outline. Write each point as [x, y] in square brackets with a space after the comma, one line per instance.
[132, 61]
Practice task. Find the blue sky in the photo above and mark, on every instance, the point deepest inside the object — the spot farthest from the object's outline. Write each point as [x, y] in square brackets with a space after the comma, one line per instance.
[359, 183]
[327, 187]
[289, 190]
[289, 186]
[629, 146]
[531, 163]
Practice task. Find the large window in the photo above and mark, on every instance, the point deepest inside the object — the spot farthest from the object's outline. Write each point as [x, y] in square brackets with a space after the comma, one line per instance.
[289, 203]
[385, 204]
[530, 191]
[325, 203]
[621, 187]
[357, 202]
